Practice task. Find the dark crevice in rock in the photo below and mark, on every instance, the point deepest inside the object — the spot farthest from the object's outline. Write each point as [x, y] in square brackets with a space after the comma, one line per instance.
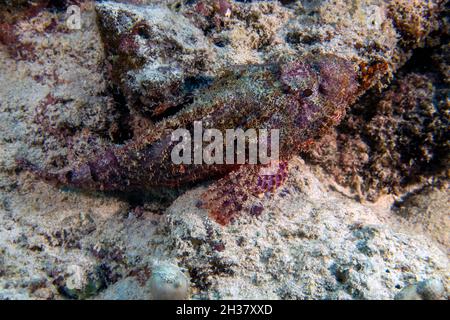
[124, 131]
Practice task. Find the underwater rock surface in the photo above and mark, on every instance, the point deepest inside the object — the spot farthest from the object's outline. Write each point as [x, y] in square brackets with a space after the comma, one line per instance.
[159, 56]
[68, 95]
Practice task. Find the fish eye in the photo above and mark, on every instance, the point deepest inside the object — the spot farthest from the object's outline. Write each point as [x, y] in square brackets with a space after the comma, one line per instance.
[69, 175]
[307, 93]
[143, 32]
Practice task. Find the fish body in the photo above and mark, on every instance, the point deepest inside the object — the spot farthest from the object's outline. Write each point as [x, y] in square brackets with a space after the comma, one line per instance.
[302, 99]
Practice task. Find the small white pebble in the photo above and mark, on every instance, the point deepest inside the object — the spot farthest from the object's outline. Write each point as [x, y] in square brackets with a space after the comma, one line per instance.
[168, 282]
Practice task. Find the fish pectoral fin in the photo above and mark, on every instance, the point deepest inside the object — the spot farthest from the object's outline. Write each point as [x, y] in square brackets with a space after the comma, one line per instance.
[241, 191]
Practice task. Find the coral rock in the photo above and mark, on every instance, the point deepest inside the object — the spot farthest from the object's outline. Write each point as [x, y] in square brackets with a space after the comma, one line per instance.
[155, 54]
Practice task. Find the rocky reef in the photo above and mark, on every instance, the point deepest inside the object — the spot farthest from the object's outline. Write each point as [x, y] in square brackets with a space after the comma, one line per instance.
[363, 214]
[397, 137]
[160, 56]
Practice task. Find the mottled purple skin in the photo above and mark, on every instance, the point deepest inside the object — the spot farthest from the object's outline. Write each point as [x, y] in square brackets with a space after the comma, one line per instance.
[303, 99]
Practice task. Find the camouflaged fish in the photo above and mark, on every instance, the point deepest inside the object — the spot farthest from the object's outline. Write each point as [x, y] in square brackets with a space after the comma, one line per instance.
[303, 99]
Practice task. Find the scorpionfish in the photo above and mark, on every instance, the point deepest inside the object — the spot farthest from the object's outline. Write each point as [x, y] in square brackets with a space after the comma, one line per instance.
[302, 98]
